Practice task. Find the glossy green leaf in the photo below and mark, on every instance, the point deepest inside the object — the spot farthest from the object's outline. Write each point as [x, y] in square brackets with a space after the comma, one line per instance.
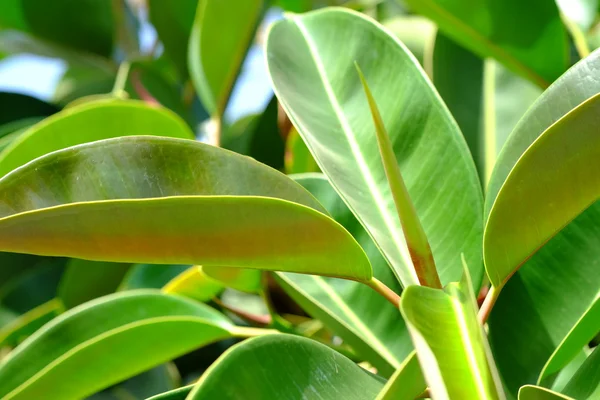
[276, 367]
[24, 325]
[191, 203]
[552, 183]
[416, 240]
[530, 392]
[221, 36]
[173, 21]
[150, 276]
[60, 22]
[486, 99]
[450, 343]
[177, 394]
[559, 283]
[122, 333]
[585, 384]
[580, 335]
[85, 280]
[195, 284]
[347, 307]
[89, 122]
[537, 50]
[244, 280]
[323, 97]
[407, 383]
[560, 98]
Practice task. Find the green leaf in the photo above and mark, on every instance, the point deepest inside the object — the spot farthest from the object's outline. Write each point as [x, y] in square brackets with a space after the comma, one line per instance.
[244, 280]
[322, 95]
[585, 384]
[450, 343]
[150, 276]
[347, 307]
[560, 98]
[407, 383]
[559, 283]
[580, 335]
[124, 335]
[551, 184]
[486, 99]
[89, 122]
[61, 22]
[173, 21]
[191, 203]
[23, 326]
[416, 240]
[177, 394]
[530, 392]
[195, 284]
[537, 50]
[276, 367]
[221, 36]
[85, 280]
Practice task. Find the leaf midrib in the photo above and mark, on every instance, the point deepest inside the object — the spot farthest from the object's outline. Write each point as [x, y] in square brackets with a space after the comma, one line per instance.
[356, 152]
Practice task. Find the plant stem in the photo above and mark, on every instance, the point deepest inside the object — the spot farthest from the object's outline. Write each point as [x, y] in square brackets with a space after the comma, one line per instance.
[263, 320]
[488, 304]
[121, 80]
[385, 291]
[141, 90]
[247, 332]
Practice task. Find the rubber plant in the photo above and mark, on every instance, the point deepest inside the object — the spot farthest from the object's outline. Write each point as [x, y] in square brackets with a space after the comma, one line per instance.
[392, 266]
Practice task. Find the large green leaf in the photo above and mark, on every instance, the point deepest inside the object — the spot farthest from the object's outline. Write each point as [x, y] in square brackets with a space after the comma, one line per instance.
[173, 21]
[527, 38]
[560, 98]
[486, 99]
[552, 183]
[85, 280]
[23, 326]
[89, 122]
[195, 284]
[161, 200]
[585, 384]
[347, 307]
[61, 22]
[284, 367]
[321, 93]
[450, 343]
[221, 36]
[559, 283]
[530, 392]
[407, 383]
[580, 335]
[122, 333]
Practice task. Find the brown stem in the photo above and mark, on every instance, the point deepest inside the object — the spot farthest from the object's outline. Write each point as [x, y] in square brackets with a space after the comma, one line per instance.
[385, 291]
[252, 318]
[141, 90]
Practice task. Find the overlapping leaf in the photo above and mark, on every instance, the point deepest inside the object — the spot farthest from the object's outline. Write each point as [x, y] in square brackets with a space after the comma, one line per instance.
[323, 97]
